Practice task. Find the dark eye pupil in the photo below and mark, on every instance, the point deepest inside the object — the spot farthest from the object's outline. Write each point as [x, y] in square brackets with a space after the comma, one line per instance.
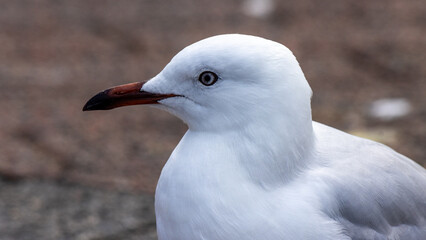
[208, 78]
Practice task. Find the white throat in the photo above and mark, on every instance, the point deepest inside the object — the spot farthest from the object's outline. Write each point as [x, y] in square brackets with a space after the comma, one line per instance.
[269, 151]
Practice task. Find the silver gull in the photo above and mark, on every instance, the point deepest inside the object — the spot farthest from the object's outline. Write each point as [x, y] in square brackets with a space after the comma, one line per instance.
[253, 164]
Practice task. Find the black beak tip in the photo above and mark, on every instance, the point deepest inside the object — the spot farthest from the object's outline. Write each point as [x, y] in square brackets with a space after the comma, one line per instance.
[89, 106]
[98, 102]
[86, 107]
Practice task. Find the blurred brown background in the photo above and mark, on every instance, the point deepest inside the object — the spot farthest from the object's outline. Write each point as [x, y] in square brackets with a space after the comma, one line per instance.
[65, 174]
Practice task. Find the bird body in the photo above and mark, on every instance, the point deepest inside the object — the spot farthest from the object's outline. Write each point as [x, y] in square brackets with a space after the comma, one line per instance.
[337, 196]
[253, 164]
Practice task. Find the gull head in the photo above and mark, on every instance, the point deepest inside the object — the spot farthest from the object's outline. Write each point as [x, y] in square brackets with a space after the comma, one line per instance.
[223, 82]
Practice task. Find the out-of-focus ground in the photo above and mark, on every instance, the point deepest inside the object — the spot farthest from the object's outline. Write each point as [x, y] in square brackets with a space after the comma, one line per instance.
[65, 174]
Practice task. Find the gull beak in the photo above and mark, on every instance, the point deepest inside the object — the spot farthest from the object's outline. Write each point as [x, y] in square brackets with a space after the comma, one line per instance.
[123, 95]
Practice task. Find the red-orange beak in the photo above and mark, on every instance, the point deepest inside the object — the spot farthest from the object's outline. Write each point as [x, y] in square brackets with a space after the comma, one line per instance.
[123, 95]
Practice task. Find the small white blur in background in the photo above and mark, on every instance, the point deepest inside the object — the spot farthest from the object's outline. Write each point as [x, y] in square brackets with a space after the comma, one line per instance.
[387, 109]
[258, 8]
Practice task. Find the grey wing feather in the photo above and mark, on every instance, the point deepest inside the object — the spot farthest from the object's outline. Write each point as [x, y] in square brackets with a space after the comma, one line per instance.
[386, 202]
[380, 193]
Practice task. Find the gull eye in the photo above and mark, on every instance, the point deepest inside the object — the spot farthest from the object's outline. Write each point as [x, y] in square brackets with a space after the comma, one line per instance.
[207, 78]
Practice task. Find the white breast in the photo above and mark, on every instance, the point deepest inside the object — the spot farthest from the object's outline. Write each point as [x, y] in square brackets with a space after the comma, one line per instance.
[203, 194]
